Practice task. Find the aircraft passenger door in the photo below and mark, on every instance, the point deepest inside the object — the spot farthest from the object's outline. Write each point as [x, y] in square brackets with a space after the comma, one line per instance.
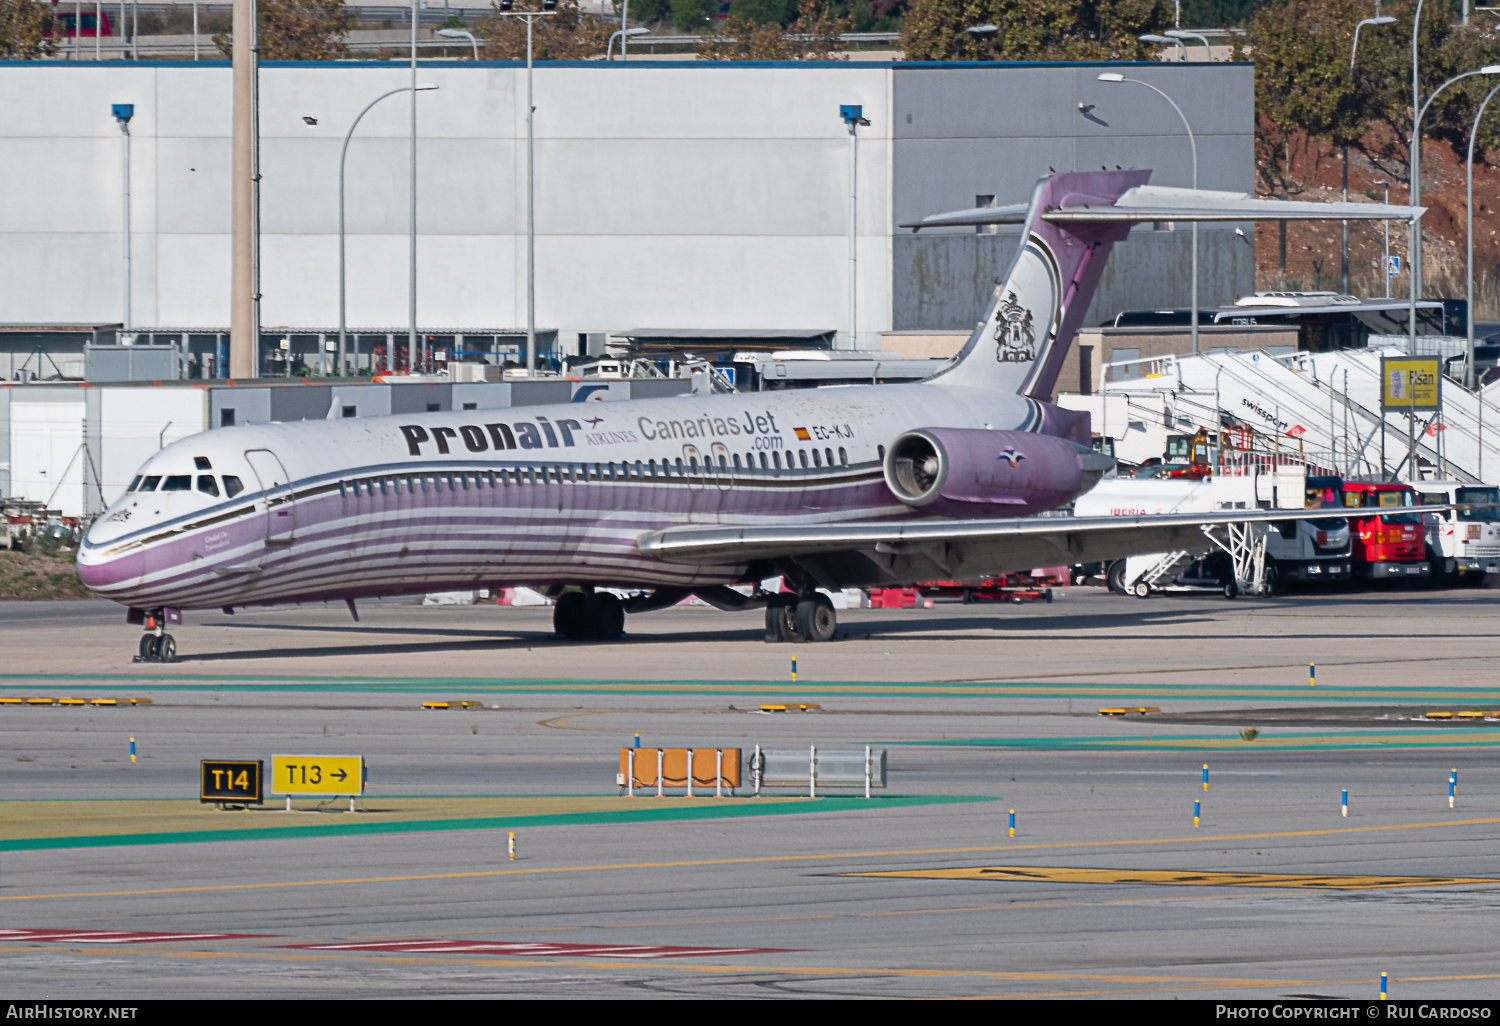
[281, 510]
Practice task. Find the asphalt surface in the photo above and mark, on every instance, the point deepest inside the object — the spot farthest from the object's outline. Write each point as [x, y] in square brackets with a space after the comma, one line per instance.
[980, 710]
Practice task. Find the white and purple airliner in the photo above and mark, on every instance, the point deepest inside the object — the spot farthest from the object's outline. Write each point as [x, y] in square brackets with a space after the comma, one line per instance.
[861, 486]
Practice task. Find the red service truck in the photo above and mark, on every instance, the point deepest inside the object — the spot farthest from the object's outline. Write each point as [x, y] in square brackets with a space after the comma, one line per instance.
[1386, 543]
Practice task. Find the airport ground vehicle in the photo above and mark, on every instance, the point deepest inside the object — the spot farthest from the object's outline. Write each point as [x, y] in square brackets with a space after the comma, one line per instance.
[1386, 543]
[1462, 542]
[1286, 551]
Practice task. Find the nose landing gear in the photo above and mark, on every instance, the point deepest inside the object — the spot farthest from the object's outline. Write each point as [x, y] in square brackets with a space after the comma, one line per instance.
[157, 646]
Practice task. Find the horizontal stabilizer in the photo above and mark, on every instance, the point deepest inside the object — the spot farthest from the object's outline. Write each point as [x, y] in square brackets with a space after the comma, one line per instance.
[1158, 203]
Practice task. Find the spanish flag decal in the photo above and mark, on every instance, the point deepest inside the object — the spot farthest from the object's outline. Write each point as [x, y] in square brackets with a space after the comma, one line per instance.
[802, 435]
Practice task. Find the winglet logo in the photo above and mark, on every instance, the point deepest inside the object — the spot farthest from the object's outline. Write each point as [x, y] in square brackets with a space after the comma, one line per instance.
[1009, 455]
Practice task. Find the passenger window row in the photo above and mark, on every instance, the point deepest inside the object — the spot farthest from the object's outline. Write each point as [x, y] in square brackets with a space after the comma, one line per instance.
[570, 473]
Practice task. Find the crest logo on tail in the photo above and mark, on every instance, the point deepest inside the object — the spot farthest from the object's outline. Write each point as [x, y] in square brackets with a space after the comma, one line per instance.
[1015, 335]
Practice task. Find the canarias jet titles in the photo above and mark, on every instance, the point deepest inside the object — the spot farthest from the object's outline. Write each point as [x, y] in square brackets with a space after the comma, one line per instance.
[544, 433]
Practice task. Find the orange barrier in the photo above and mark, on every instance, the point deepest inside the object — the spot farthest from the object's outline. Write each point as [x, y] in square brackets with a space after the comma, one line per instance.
[708, 770]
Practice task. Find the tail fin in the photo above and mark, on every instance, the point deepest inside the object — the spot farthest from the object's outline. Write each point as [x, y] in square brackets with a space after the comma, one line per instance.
[1020, 345]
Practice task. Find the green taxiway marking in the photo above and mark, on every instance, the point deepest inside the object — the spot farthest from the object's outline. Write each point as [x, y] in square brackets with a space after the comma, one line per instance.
[1291, 692]
[733, 809]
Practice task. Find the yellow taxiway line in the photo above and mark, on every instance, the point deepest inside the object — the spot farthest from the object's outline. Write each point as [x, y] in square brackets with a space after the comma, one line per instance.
[752, 860]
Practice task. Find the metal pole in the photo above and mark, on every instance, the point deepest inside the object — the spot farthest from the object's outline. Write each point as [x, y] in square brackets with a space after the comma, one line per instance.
[531, 214]
[853, 233]
[624, 24]
[630, 772]
[812, 771]
[125, 209]
[1344, 253]
[195, 29]
[412, 351]
[1470, 378]
[98, 28]
[1385, 267]
[135, 30]
[242, 301]
[78, 29]
[1414, 182]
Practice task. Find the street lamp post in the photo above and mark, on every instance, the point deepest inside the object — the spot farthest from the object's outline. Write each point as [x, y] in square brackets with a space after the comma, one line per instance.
[853, 116]
[1385, 266]
[1183, 34]
[549, 8]
[1414, 229]
[1470, 378]
[344, 153]
[622, 35]
[1110, 76]
[122, 113]
[413, 354]
[453, 33]
[1344, 252]
[1166, 41]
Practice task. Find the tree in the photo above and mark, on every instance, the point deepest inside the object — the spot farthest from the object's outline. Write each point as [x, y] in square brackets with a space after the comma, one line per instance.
[1445, 49]
[568, 35]
[297, 30]
[1033, 30]
[813, 36]
[24, 28]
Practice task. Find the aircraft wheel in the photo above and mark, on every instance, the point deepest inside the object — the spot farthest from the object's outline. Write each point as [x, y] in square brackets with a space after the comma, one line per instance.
[166, 649]
[779, 625]
[1231, 590]
[816, 619]
[148, 648]
[605, 616]
[570, 615]
[1116, 577]
[1142, 590]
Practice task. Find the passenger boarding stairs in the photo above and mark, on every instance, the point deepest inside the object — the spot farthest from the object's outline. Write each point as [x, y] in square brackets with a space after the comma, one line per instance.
[1317, 409]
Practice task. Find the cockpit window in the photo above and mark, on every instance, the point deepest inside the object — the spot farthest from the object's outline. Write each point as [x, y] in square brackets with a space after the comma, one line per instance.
[178, 483]
[149, 485]
[134, 484]
[232, 486]
[201, 463]
[207, 485]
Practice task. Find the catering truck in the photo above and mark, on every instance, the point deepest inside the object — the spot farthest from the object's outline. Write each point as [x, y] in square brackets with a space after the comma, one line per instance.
[1462, 543]
[1387, 543]
[1309, 551]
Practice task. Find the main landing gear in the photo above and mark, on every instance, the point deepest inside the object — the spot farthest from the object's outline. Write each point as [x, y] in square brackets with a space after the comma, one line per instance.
[592, 616]
[157, 646]
[800, 618]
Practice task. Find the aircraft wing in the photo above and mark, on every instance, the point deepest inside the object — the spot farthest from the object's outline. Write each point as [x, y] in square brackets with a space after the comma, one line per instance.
[1162, 203]
[910, 550]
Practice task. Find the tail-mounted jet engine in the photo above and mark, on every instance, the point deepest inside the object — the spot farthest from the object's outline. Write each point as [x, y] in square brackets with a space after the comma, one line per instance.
[969, 473]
